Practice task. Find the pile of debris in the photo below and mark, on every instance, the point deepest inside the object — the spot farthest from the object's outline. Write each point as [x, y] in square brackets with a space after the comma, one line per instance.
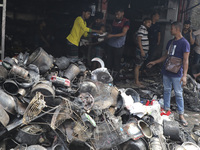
[57, 103]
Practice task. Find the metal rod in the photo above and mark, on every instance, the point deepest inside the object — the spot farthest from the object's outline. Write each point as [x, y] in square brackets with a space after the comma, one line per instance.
[191, 8]
[20, 122]
[3, 30]
[183, 4]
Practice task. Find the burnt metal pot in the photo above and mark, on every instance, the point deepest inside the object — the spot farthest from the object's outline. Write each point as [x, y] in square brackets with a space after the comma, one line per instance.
[171, 130]
[71, 72]
[46, 89]
[62, 62]
[10, 87]
[41, 59]
[29, 134]
[4, 117]
[8, 102]
[88, 86]
[102, 75]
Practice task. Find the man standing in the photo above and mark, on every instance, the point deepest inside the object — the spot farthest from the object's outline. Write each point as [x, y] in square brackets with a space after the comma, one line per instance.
[116, 41]
[197, 50]
[142, 48]
[79, 29]
[189, 36]
[187, 32]
[154, 36]
[180, 48]
[98, 48]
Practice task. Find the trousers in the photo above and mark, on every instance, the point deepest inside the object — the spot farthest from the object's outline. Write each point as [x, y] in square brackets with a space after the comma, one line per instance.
[168, 82]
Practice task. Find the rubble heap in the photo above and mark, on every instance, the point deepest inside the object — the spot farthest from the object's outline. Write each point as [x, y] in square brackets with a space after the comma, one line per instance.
[57, 103]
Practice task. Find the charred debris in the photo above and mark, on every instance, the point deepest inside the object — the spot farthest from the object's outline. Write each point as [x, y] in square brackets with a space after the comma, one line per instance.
[57, 103]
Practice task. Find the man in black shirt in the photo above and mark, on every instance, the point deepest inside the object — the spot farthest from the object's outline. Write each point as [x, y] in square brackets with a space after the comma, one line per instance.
[189, 36]
[187, 32]
[154, 36]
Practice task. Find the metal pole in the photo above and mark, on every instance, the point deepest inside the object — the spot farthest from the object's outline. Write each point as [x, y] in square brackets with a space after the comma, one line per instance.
[3, 30]
[191, 8]
[183, 7]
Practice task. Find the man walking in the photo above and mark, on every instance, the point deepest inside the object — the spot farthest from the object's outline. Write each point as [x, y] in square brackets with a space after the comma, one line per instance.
[179, 48]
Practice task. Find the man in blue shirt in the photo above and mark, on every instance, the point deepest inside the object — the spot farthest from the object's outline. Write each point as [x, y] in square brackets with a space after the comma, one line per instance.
[178, 47]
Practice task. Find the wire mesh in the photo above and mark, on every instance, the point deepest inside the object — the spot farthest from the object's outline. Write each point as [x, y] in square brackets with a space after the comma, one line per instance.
[34, 108]
[105, 135]
[62, 113]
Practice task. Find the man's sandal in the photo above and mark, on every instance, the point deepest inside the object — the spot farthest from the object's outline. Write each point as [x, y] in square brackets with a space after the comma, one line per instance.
[183, 122]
